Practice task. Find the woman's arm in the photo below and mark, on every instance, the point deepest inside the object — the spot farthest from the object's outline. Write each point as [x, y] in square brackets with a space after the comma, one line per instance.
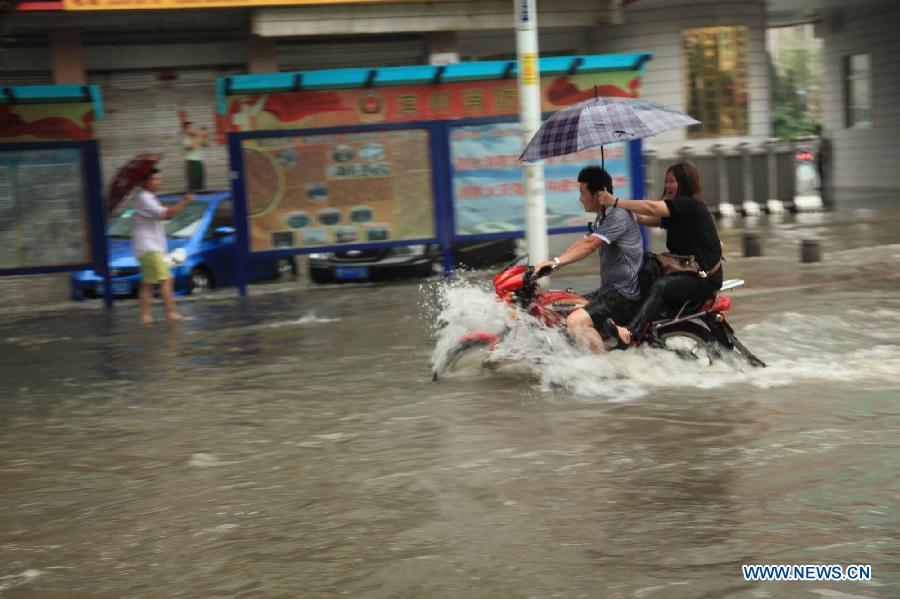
[649, 221]
[651, 208]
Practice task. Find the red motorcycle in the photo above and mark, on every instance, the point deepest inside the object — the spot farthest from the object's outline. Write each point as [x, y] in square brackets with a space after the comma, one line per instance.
[694, 332]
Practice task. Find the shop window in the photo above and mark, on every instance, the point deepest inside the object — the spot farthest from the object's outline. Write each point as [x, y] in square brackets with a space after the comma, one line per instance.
[858, 90]
[716, 87]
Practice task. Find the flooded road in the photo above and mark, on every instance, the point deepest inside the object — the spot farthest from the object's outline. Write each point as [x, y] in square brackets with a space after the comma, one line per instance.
[291, 444]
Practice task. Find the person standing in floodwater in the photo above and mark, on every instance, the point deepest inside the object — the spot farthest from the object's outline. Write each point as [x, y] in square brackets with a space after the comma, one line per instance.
[148, 242]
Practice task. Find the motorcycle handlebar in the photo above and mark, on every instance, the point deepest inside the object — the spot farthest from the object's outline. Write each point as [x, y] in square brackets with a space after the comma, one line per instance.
[543, 272]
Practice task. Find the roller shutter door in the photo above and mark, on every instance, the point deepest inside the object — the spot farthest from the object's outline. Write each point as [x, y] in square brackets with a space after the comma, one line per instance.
[501, 45]
[26, 78]
[362, 53]
[25, 66]
[143, 114]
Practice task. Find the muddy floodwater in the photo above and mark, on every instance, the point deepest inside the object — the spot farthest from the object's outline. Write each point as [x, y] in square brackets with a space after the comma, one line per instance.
[292, 444]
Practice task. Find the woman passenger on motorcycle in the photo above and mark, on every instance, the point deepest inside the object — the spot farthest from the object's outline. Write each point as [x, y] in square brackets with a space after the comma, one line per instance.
[690, 230]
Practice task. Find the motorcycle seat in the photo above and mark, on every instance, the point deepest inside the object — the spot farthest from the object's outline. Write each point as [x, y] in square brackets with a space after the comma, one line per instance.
[709, 303]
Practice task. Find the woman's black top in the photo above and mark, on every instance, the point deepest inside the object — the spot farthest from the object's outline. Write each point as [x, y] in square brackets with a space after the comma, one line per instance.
[690, 229]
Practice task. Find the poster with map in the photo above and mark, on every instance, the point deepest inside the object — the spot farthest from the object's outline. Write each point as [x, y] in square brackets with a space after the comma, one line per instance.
[43, 211]
[317, 190]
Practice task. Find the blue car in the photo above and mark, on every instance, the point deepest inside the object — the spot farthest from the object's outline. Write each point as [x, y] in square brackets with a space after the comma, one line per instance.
[204, 230]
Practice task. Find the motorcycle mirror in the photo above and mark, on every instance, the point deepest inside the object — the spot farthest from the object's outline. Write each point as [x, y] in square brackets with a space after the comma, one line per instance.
[527, 276]
[513, 262]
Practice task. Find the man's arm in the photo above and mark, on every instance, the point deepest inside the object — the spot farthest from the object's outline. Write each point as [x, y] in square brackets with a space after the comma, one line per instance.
[580, 249]
[178, 207]
[196, 139]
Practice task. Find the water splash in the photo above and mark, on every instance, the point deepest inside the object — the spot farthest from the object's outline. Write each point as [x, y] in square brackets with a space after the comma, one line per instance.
[798, 347]
[457, 307]
[307, 319]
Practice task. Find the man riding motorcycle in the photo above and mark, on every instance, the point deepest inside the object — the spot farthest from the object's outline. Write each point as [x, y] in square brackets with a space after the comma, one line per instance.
[616, 237]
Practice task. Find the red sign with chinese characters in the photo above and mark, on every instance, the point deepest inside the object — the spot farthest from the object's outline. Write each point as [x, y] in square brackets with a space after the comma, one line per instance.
[47, 122]
[310, 109]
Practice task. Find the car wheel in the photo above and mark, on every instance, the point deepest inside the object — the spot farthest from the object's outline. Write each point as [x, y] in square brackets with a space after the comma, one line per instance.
[201, 280]
[285, 267]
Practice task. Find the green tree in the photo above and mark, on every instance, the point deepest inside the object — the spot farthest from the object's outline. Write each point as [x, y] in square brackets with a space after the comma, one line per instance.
[794, 95]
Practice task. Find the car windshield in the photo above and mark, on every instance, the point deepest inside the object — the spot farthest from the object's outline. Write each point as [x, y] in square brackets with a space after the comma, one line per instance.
[181, 226]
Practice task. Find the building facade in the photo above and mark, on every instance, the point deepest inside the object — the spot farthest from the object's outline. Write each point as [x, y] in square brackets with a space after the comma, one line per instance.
[860, 111]
[158, 67]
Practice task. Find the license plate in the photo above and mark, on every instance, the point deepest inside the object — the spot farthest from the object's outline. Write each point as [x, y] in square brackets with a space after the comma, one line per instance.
[355, 273]
[118, 288]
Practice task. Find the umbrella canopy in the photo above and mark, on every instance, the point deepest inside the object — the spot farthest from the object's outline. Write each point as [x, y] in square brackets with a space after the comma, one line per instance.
[600, 121]
[128, 177]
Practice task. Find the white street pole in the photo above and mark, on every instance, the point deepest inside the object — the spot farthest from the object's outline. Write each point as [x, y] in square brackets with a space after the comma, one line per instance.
[530, 116]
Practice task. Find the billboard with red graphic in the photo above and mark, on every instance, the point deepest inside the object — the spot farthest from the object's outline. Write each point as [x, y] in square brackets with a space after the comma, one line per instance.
[70, 121]
[404, 104]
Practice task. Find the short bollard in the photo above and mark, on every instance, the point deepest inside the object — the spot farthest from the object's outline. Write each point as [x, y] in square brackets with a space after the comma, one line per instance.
[752, 245]
[810, 251]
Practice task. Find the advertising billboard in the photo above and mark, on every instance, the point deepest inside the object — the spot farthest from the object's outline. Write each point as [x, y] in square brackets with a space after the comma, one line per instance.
[47, 122]
[43, 209]
[410, 103]
[343, 188]
[489, 182]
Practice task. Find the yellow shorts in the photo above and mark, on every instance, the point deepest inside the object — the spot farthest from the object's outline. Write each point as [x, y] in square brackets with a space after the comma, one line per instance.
[153, 268]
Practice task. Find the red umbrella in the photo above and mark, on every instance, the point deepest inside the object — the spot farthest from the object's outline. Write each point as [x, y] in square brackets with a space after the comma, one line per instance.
[129, 176]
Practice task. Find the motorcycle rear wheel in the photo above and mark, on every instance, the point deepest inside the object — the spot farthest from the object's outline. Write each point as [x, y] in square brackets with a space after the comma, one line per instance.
[691, 341]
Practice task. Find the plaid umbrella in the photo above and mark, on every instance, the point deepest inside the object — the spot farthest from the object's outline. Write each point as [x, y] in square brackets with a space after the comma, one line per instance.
[600, 121]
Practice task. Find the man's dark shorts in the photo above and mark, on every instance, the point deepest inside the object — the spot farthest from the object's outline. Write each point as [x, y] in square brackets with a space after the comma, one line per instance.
[611, 304]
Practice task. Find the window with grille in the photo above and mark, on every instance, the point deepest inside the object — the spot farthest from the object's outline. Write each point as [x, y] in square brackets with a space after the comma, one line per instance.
[858, 90]
[716, 87]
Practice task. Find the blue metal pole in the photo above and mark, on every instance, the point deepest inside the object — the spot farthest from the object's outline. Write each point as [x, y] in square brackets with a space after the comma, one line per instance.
[443, 193]
[97, 215]
[236, 175]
